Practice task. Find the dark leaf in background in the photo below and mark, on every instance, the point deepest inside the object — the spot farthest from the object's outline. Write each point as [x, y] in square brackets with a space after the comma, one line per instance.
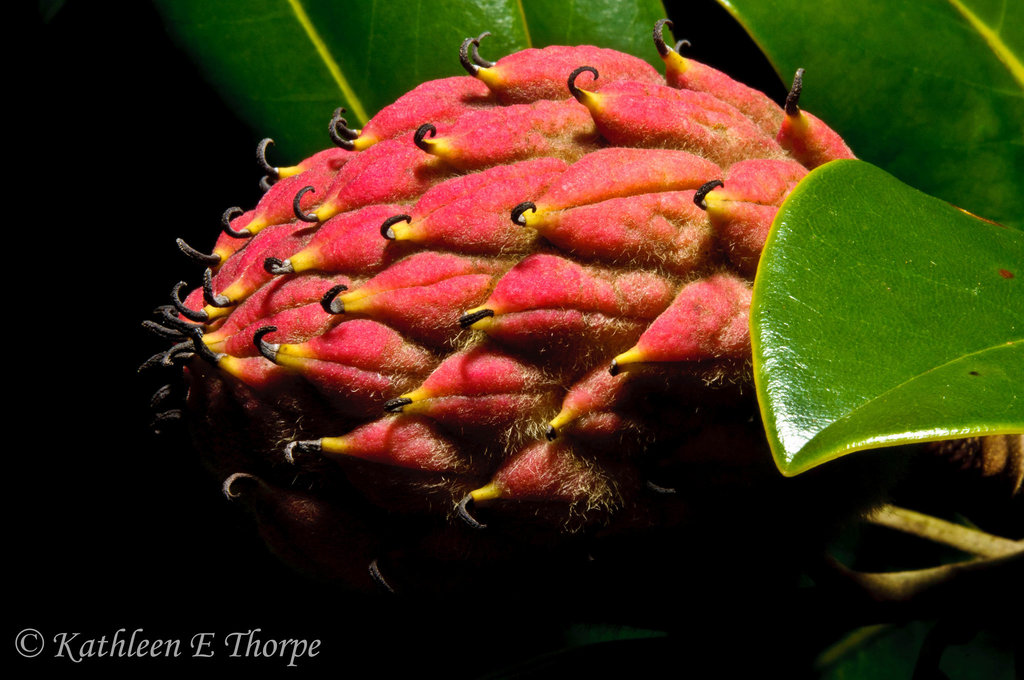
[285, 65]
[931, 91]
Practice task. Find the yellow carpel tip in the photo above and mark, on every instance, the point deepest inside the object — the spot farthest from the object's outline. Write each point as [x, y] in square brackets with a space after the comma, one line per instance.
[797, 122]
[303, 260]
[529, 214]
[417, 395]
[255, 225]
[230, 365]
[630, 356]
[486, 493]
[325, 212]
[490, 76]
[213, 313]
[479, 318]
[592, 100]
[362, 143]
[215, 339]
[353, 295]
[564, 417]
[353, 300]
[293, 356]
[438, 146]
[403, 231]
[714, 200]
[675, 62]
[410, 402]
[335, 445]
[236, 291]
[297, 350]
[290, 171]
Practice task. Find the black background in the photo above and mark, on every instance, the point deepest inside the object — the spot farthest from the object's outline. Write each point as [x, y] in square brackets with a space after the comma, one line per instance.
[116, 146]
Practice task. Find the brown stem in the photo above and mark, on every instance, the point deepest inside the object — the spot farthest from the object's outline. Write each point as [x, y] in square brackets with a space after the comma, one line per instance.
[854, 640]
[957, 536]
[974, 587]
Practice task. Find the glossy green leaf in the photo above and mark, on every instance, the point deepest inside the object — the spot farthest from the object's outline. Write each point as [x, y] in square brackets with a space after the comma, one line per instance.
[895, 652]
[285, 65]
[931, 91]
[884, 316]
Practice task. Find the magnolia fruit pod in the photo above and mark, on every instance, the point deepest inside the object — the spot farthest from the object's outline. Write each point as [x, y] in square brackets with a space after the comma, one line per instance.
[505, 320]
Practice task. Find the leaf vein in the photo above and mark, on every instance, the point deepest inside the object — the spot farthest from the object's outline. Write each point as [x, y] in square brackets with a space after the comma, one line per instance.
[851, 413]
[526, 26]
[994, 41]
[358, 111]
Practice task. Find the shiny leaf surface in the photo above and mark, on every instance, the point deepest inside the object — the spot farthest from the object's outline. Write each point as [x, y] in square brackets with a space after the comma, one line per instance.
[883, 316]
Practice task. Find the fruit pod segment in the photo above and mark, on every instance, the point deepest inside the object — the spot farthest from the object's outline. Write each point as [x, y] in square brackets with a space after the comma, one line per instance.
[742, 207]
[545, 298]
[292, 196]
[441, 101]
[290, 304]
[321, 539]
[632, 114]
[246, 273]
[706, 321]
[533, 74]
[482, 139]
[690, 74]
[392, 171]
[663, 229]
[346, 243]
[806, 136]
[420, 295]
[619, 173]
[402, 441]
[546, 480]
[481, 390]
[469, 214]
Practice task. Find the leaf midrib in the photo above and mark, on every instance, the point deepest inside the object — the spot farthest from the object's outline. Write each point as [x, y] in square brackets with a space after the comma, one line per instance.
[850, 414]
[992, 39]
[357, 109]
